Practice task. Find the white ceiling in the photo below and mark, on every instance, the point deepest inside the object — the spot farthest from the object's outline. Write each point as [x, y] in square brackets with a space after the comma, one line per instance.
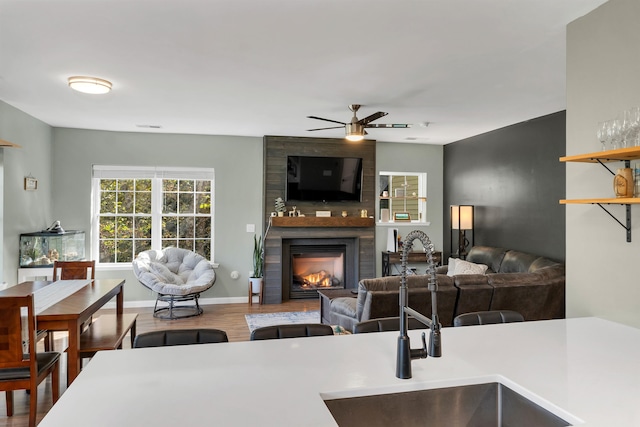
[259, 67]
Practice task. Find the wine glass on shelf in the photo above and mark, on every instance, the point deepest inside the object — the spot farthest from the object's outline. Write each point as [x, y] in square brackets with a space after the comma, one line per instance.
[635, 127]
[601, 133]
[625, 129]
[615, 133]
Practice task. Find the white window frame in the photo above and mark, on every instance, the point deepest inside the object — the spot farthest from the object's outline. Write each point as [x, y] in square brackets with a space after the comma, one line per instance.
[143, 172]
[421, 194]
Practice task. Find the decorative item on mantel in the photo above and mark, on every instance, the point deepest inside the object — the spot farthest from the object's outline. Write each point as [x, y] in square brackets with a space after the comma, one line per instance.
[280, 206]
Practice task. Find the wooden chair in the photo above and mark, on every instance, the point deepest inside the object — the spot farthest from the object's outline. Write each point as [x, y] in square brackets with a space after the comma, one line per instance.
[71, 270]
[19, 371]
[74, 270]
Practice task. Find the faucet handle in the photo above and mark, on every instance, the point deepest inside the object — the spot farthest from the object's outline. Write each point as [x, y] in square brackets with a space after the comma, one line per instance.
[420, 353]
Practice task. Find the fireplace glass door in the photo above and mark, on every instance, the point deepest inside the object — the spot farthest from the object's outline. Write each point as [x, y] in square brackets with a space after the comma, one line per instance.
[316, 267]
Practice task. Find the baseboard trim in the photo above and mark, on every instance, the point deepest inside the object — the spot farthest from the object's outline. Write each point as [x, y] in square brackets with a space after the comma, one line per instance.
[203, 301]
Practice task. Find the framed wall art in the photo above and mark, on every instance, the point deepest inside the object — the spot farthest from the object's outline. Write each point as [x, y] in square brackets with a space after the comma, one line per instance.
[30, 183]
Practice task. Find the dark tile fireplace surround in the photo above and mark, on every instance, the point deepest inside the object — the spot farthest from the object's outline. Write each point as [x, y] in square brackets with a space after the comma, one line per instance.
[359, 262]
[357, 234]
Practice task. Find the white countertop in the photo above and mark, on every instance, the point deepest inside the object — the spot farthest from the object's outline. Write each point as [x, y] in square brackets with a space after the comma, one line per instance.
[589, 368]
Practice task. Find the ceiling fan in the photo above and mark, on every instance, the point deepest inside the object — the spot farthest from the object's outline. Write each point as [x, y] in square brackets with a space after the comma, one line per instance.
[355, 130]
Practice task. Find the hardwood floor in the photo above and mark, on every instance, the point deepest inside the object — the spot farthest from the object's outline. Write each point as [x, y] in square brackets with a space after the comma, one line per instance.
[228, 317]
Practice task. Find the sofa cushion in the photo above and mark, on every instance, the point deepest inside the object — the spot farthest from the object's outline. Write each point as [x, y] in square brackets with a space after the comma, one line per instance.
[388, 283]
[474, 293]
[530, 294]
[487, 255]
[346, 306]
[543, 263]
[516, 262]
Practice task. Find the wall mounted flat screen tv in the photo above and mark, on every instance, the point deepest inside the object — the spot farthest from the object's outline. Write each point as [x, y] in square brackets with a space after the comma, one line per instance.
[324, 179]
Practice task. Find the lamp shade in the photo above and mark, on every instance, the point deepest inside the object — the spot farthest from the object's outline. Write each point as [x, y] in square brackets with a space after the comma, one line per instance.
[462, 217]
[92, 85]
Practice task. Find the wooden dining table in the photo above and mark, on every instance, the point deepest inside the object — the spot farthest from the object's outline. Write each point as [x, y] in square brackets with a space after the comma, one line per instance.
[72, 311]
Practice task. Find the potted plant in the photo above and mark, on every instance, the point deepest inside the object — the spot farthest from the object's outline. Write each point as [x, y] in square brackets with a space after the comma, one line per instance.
[258, 263]
[280, 206]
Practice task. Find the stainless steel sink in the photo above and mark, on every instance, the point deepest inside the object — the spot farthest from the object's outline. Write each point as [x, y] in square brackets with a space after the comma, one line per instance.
[477, 405]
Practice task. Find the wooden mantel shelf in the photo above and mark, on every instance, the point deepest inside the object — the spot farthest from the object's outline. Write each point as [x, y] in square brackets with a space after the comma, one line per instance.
[316, 221]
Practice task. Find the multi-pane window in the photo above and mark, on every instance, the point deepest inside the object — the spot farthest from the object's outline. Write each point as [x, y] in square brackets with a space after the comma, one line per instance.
[403, 196]
[151, 208]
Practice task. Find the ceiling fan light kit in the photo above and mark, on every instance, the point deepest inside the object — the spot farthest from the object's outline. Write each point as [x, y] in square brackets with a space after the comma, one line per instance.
[355, 130]
[91, 85]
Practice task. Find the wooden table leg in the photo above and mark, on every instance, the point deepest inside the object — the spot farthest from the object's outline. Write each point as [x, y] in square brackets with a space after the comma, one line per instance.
[120, 301]
[73, 353]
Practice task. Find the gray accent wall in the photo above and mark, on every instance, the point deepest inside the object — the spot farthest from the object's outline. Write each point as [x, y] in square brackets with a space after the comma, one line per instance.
[22, 211]
[238, 190]
[514, 179]
[603, 79]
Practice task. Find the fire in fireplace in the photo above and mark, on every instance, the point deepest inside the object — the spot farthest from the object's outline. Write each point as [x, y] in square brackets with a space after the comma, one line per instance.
[316, 267]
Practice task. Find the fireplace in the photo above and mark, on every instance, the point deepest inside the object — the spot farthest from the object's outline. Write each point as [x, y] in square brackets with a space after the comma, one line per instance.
[309, 265]
[316, 267]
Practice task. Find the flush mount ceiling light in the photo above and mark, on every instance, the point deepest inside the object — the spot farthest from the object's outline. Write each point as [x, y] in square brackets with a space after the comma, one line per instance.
[92, 85]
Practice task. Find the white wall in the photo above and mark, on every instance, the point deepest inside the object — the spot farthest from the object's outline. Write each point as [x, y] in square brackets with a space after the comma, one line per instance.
[395, 157]
[603, 79]
[238, 190]
[23, 211]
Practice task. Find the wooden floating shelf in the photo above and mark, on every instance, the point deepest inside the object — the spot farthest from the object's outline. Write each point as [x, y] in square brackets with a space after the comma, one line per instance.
[316, 221]
[618, 155]
[611, 201]
[4, 143]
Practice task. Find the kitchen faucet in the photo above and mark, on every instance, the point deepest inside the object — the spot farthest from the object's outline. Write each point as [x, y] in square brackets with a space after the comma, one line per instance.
[405, 352]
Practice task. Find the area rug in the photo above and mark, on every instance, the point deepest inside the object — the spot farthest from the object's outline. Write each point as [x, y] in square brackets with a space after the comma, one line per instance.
[288, 317]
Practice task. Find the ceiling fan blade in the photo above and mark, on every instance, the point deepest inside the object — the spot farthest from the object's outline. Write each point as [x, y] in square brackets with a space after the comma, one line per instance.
[389, 125]
[333, 127]
[374, 116]
[326, 120]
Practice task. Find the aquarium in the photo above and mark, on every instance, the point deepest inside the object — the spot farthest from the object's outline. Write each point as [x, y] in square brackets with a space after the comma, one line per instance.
[42, 248]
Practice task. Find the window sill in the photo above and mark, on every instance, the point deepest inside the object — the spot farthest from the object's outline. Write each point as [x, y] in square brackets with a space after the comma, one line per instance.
[126, 267]
[403, 224]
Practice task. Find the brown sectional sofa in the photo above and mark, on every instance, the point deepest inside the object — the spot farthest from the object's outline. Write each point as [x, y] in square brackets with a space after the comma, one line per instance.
[531, 285]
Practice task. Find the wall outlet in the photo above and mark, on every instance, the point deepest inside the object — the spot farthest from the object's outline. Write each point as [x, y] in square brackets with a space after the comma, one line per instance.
[251, 228]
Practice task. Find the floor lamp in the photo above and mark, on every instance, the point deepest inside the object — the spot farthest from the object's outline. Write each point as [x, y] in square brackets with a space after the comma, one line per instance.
[461, 221]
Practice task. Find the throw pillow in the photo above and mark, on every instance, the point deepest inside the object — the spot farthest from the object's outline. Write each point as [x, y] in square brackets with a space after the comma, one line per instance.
[466, 267]
[452, 266]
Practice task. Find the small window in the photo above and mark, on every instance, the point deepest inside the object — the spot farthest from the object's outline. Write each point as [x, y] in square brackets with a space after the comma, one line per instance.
[403, 197]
